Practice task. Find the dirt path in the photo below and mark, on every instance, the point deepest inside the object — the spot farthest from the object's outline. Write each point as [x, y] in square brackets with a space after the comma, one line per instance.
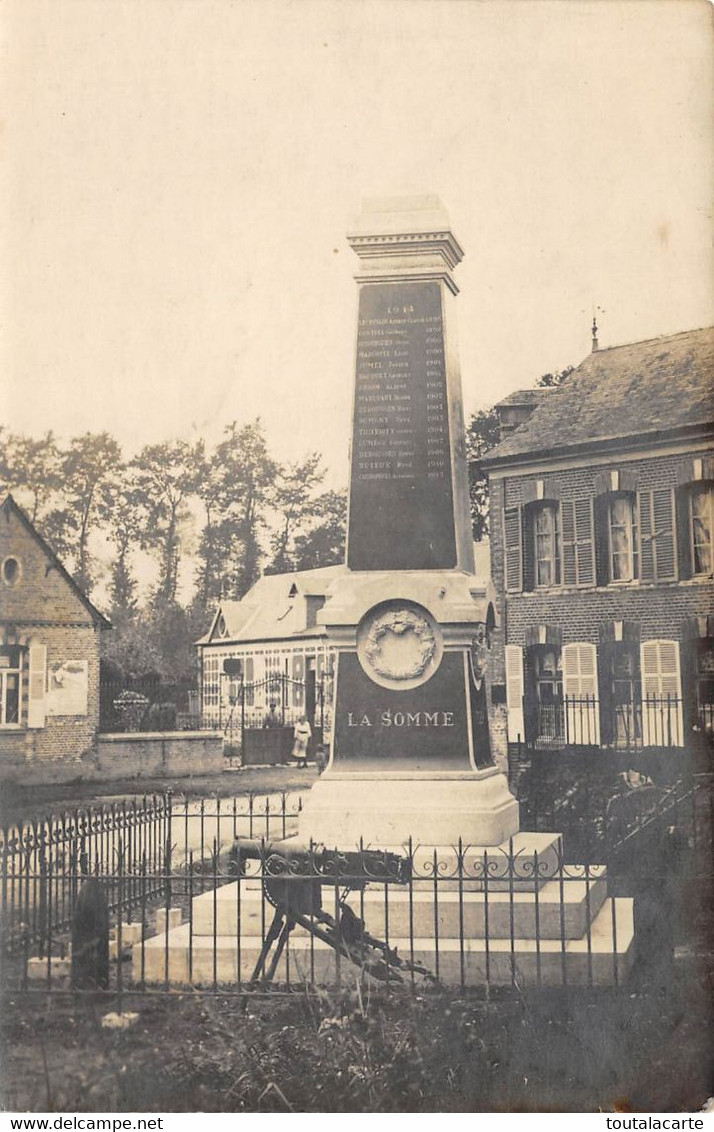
[18, 803]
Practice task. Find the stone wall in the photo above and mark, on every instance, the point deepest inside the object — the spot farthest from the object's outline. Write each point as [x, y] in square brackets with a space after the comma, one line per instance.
[161, 753]
[177, 754]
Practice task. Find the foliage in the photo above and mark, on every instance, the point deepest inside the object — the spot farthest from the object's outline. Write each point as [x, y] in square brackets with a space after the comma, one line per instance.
[165, 476]
[324, 543]
[89, 469]
[292, 499]
[552, 380]
[481, 436]
[364, 1051]
[31, 469]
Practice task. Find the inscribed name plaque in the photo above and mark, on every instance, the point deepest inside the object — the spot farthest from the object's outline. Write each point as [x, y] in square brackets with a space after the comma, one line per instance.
[401, 496]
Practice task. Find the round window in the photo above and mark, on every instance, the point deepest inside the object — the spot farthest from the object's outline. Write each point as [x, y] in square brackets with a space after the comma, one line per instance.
[10, 571]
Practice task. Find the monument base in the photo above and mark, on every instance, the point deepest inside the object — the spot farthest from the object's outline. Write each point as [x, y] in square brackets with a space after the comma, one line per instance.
[388, 805]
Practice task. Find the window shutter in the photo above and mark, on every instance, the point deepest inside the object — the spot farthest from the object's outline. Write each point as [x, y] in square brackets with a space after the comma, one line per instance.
[662, 724]
[602, 541]
[570, 570]
[584, 551]
[578, 550]
[36, 704]
[514, 692]
[683, 526]
[580, 688]
[647, 554]
[513, 549]
[663, 534]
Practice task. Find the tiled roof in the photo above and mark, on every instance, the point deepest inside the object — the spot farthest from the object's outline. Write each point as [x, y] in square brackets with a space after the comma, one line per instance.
[273, 611]
[623, 392]
[525, 397]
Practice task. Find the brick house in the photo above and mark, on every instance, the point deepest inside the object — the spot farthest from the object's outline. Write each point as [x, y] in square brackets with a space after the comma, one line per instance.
[49, 656]
[602, 532]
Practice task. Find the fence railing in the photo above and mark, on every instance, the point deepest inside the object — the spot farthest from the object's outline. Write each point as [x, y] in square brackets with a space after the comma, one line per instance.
[147, 704]
[456, 915]
[586, 721]
[44, 862]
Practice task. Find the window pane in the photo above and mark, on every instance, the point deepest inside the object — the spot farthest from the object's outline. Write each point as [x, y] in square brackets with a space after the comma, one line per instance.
[621, 539]
[702, 531]
[12, 698]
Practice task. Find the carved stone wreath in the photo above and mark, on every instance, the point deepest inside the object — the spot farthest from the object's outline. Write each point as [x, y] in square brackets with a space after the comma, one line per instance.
[399, 622]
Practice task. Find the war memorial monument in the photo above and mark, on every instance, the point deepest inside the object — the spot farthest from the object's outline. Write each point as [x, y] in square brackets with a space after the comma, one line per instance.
[411, 769]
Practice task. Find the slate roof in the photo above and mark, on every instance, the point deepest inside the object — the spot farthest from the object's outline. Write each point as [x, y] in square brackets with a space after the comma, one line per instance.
[268, 612]
[644, 389]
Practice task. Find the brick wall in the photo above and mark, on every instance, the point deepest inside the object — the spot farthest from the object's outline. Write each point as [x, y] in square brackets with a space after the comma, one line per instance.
[659, 608]
[43, 608]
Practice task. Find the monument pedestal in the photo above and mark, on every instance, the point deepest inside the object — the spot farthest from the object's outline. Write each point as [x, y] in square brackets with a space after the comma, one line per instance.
[386, 806]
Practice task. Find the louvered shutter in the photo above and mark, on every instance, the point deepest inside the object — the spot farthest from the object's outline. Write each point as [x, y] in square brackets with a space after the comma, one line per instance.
[513, 549]
[570, 569]
[514, 693]
[37, 691]
[662, 724]
[602, 541]
[580, 689]
[663, 534]
[578, 549]
[584, 550]
[647, 556]
[682, 524]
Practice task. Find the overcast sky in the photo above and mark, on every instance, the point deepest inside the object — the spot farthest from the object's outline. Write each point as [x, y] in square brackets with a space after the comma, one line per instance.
[180, 176]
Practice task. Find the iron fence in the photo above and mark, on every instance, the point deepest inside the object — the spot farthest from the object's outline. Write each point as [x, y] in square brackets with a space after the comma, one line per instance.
[190, 912]
[587, 721]
[44, 862]
[149, 704]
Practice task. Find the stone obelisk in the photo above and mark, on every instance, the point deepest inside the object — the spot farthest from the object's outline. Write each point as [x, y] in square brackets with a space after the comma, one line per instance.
[410, 751]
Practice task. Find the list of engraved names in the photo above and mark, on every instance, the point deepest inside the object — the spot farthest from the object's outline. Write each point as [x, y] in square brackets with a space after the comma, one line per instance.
[401, 425]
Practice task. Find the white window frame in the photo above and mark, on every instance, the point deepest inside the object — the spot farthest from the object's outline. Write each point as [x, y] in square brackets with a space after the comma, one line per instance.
[708, 490]
[555, 539]
[634, 556]
[580, 686]
[653, 678]
[514, 693]
[4, 673]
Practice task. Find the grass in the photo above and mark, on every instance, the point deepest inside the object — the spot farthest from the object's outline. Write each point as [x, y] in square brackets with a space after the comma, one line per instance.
[642, 1048]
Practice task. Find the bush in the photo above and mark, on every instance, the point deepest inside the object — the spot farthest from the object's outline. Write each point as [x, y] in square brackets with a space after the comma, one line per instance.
[161, 717]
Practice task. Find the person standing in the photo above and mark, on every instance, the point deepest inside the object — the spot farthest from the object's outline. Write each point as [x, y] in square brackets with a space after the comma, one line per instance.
[303, 734]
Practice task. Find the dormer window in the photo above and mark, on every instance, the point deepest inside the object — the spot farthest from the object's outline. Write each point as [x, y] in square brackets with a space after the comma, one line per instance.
[221, 627]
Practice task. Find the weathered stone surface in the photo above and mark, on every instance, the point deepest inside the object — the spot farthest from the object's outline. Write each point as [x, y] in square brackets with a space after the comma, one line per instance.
[90, 938]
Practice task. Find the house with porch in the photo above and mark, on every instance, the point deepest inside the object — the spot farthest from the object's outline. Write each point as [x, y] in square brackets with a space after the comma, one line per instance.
[266, 661]
[602, 549]
[280, 666]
